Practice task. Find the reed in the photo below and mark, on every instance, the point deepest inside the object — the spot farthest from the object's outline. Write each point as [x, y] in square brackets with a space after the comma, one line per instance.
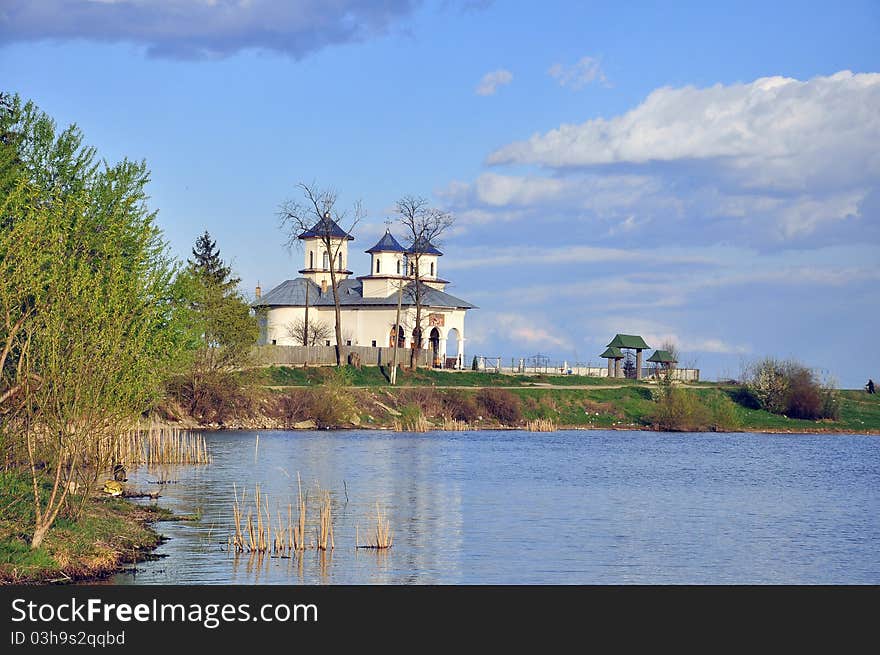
[454, 425]
[159, 445]
[416, 424]
[325, 524]
[541, 425]
[255, 530]
[382, 537]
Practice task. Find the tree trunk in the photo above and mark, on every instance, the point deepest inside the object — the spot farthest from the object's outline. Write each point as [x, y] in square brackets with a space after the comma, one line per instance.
[339, 358]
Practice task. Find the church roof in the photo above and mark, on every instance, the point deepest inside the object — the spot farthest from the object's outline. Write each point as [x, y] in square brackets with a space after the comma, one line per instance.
[662, 357]
[387, 244]
[628, 341]
[351, 294]
[423, 247]
[326, 226]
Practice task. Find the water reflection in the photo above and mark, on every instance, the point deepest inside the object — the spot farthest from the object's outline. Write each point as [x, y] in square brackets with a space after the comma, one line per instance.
[514, 507]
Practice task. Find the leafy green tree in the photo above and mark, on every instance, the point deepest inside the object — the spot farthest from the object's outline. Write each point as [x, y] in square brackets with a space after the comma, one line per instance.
[88, 323]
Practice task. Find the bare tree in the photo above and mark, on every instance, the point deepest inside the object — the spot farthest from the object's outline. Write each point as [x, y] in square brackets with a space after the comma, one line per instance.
[308, 334]
[670, 346]
[422, 226]
[318, 215]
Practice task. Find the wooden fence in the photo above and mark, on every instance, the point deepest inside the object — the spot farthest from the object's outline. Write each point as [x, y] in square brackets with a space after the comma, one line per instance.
[326, 355]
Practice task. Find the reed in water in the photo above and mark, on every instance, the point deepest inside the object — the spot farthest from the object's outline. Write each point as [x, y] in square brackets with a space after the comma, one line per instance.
[541, 425]
[382, 537]
[160, 445]
[254, 531]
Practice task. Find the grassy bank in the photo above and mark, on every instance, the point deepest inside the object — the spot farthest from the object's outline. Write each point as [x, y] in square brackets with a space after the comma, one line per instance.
[107, 534]
[321, 397]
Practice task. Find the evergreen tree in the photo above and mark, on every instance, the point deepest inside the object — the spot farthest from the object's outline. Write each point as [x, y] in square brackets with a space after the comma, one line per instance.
[208, 264]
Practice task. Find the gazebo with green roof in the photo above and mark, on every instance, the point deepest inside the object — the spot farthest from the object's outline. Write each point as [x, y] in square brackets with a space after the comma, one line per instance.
[663, 359]
[613, 354]
[631, 342]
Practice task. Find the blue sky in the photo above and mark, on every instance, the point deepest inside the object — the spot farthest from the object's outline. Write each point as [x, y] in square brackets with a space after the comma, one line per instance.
[703, 171]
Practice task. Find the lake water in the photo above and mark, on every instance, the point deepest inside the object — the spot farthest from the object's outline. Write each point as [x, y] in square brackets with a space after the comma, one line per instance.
[519, 507]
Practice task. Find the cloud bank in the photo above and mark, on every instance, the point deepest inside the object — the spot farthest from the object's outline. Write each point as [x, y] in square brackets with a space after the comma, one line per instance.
[197, 29]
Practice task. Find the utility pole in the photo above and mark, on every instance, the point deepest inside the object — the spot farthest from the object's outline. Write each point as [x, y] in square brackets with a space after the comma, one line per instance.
[393, 376]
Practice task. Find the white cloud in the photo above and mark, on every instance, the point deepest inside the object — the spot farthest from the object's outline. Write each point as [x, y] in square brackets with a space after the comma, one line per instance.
[482, 257]
[775, 132]
[576, 77]
[492, 81]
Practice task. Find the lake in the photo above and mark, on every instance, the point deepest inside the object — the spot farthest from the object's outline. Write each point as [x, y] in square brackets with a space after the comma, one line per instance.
[566, 507]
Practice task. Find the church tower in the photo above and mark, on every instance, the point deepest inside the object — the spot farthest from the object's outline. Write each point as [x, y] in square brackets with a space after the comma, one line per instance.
[317, 260]
[387, 268]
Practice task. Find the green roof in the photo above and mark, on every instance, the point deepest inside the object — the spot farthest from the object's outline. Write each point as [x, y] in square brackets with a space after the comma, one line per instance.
[612, 353]
[662, 357]
[628, 341]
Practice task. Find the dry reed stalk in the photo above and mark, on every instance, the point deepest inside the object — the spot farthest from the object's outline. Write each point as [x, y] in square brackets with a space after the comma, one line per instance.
[383, 537]
[325, 522]
[541, 425]
[299, 534]
[454, 425]
[418, 424]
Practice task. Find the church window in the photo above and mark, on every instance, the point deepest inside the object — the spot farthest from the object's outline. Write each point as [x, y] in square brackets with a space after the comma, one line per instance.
[432, 269]
[326, 261]
[339, 260]
[377, 264]
[398, 267]
[311, 259]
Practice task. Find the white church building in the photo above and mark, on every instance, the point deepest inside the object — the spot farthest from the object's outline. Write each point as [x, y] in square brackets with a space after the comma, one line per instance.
[368, 303]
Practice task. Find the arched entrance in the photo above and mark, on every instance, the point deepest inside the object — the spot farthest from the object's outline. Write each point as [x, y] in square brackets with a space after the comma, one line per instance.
[401, 338]
[434, 340]
[453, 349]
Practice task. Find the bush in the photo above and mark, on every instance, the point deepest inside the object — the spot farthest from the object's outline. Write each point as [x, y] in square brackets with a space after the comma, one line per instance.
[722, 412]
[460, 406]
[792, 389]
[501, 404]
[426, 399]
[293, 407]
[678, 409]
[332, 403]
[213, 397]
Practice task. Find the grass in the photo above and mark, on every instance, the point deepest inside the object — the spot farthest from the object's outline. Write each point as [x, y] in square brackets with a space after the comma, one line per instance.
[110, 531]
[373, 376]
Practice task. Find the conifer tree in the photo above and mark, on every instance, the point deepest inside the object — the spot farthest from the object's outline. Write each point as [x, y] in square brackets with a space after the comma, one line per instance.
[208, 264]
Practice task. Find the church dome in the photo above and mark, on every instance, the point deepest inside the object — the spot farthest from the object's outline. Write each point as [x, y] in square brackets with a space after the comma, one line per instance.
[387, 244]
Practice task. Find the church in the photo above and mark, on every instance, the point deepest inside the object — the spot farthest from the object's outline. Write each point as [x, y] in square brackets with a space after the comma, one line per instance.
[368, 303]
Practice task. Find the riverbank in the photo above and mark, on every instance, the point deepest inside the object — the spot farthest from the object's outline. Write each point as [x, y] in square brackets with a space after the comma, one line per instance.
[288, 398]
[109, 534]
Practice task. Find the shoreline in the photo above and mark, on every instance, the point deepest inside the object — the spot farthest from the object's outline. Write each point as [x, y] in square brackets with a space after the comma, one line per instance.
[126, 536]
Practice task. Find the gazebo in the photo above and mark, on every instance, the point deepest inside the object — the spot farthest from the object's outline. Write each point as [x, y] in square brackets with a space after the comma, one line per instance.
[631, 342]
[615, 355]
[663, 359]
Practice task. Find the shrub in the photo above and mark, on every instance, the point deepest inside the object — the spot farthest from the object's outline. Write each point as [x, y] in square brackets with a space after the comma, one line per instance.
[293, 407]
[768, 381]
[792, 389]
[722, 412]
[502, 404]
[460, 406]
[332, 403]
[426, 399]
[678, 409]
